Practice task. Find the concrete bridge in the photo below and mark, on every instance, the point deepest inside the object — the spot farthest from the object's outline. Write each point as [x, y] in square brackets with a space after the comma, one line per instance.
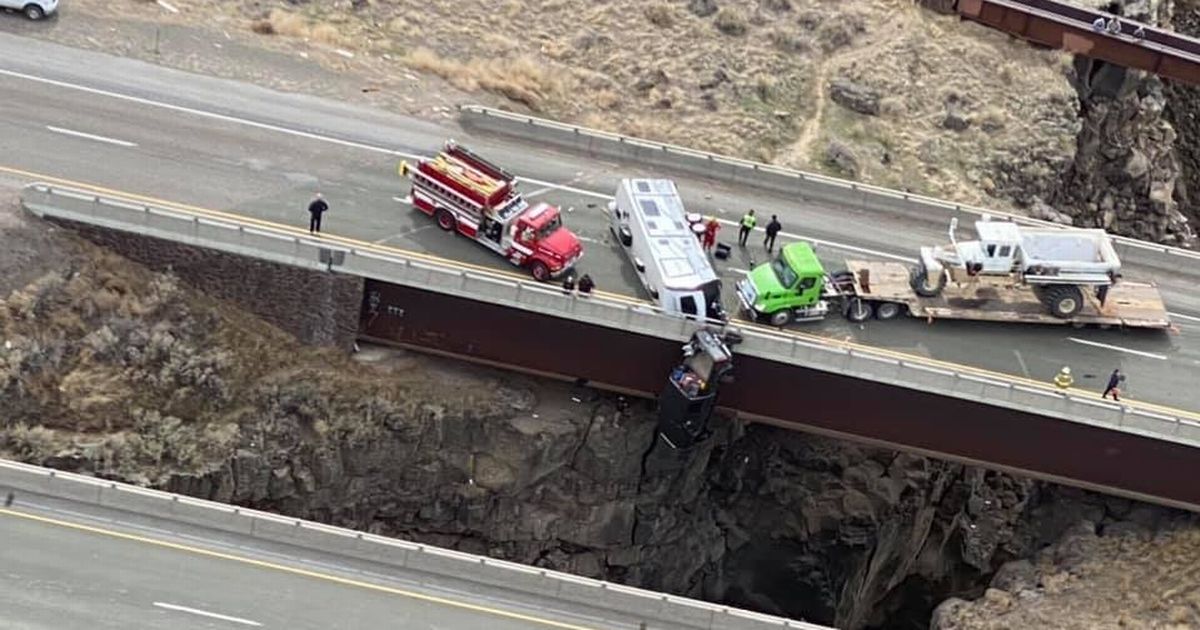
[807, 383]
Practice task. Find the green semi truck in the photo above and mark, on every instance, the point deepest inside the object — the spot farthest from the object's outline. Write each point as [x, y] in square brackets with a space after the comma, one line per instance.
[986, 280]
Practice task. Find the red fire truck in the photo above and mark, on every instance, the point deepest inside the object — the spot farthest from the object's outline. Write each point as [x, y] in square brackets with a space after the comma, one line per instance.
[464, 192]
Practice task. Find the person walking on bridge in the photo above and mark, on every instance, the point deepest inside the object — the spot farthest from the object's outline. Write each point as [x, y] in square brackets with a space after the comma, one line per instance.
[1114, 385]
[772, 230]
[744, 228]
[316, 208]
[1063, 379]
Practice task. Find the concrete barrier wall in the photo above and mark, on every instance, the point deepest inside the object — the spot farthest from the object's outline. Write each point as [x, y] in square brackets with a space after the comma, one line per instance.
[811, 186]
[447, 277]
[272, 528]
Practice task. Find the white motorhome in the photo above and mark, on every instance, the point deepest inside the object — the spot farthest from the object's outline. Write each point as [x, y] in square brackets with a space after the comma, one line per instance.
[649, 222]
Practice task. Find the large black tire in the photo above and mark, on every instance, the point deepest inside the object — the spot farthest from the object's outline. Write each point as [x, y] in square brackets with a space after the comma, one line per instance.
[539, 271]
[888, 310]
[33, 12]
[445, 220]
[858, 310]
[780, 318]
[920, 283]
[1063, 301]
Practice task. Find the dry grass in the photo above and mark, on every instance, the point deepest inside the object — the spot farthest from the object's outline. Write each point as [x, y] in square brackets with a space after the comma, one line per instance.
[522, 79]
[579, 60]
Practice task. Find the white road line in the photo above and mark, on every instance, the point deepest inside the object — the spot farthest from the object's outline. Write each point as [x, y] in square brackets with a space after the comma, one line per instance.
[540, 191]
[736, 270]
[207, 114]
[1150, 355]
[586, 239]
[1190, 318]
[91, 136]
[405, 199]
[1021, 361]
[578, 191]
[205, 613]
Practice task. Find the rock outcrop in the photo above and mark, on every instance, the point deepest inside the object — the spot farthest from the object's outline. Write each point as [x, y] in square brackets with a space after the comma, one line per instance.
[1125, 176]
[1183, 110]
[1139, 572]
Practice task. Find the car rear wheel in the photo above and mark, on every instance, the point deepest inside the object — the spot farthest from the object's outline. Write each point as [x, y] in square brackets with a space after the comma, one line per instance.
[33, 12]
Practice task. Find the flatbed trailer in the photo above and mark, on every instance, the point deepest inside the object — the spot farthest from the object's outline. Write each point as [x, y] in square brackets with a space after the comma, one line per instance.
[884, 290]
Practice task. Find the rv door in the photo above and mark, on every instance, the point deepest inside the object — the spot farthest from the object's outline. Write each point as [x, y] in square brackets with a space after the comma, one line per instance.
[691, 304]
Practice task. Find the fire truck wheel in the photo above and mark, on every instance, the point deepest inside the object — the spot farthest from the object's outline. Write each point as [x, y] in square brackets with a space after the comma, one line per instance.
[858, 310]
[539, 271]
[445, 220]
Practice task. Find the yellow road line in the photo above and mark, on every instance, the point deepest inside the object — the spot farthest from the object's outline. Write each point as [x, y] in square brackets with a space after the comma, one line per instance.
[282, 568]
[365, 245]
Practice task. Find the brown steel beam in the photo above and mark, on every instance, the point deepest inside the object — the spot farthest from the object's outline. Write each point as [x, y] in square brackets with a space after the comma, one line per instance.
[1069, 28]
[795, 397]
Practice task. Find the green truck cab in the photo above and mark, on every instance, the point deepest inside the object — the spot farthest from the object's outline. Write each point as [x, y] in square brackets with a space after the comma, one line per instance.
[789, 288]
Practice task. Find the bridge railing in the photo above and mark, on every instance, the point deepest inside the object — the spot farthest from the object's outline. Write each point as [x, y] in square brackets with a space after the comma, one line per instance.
[779, 179]
[448, 277]
[426, 559]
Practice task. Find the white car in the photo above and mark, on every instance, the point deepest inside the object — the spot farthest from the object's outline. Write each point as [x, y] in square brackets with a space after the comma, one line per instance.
[33, 9]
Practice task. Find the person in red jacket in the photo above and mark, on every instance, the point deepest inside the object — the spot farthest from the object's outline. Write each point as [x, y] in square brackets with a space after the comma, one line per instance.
[711, 227]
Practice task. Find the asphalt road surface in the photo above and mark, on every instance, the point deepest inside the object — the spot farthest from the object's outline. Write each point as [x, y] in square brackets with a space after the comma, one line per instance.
[71, 566]
[87, 118]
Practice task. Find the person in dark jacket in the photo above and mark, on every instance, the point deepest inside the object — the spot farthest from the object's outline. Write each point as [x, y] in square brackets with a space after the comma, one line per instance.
[772, 230]
[315, 209]
[1114, 385]
[586, 285]
[568, 284]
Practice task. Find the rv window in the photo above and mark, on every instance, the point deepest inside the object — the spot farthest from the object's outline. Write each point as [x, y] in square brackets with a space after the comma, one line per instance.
[1005, 251]
[687, 304]
[991, 250]
[643, 185]
[649, 206]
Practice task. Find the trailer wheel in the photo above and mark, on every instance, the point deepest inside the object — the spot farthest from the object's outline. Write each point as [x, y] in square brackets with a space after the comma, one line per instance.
[780, 318]
[858, 310]
[444, 219]
[539, 271]
[1064, 301]
[921, 285]
[888, 310]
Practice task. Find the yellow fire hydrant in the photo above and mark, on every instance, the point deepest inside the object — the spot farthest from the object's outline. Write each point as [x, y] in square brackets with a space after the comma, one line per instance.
[1063, 379]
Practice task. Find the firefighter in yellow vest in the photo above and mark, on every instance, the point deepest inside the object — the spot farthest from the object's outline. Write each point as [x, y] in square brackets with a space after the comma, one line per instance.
[1063, 379]
[744, 227]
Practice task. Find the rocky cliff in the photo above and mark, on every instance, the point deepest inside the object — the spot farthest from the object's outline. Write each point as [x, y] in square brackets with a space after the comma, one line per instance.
[111, 369]
[1136, 573]
[1125, 176]
[1183, 110]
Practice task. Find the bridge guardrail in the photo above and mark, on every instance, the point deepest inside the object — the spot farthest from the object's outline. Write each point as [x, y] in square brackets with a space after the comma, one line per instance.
[445, 277]
[739, 171]
[286, 530]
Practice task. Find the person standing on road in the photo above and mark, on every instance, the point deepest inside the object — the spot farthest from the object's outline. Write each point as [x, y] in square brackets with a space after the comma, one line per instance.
[315, 209]
[1113, 387]
[711, 227]
[772, 230]
[747, 224]
[586, 284]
